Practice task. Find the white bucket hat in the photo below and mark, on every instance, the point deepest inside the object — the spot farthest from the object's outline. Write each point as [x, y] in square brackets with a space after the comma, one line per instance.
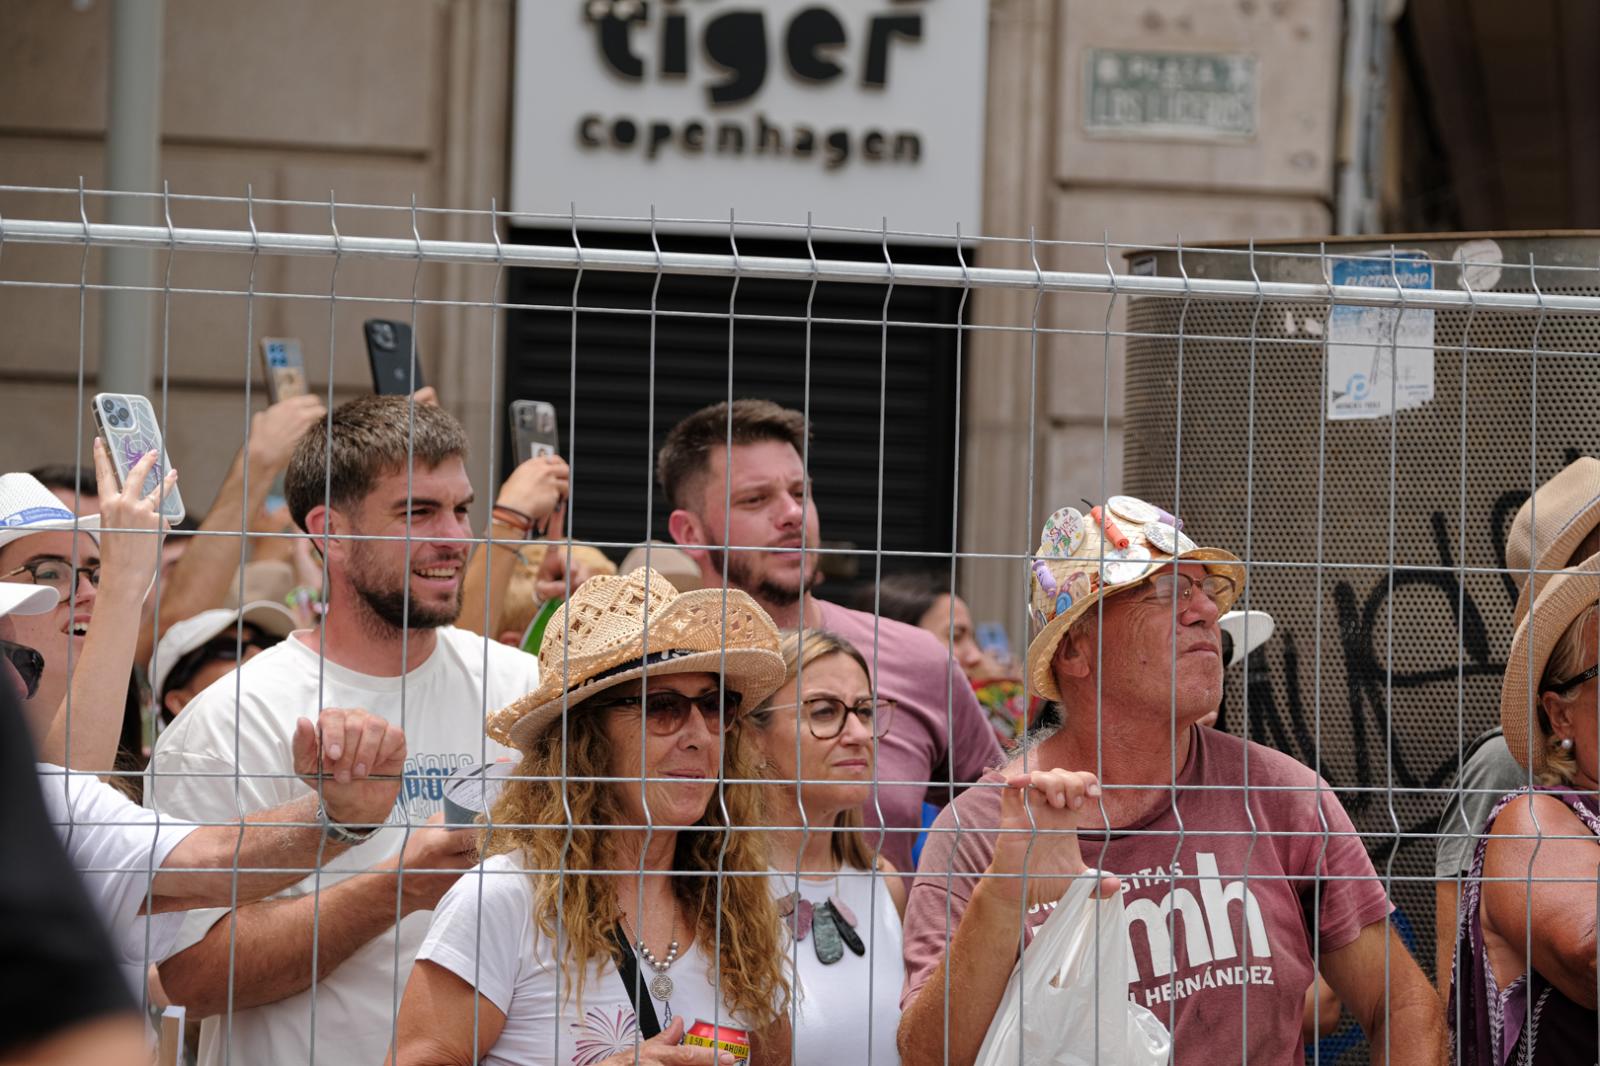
[18, 598]
[271, 618]
[27, 507]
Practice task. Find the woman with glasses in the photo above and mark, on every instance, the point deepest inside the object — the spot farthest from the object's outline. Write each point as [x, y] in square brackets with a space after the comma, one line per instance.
[1524, 981]
[615, 912]
[101, 578]
[816, 740]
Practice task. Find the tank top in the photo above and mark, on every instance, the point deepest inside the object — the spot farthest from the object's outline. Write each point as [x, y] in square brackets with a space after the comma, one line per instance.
[1529, 1022]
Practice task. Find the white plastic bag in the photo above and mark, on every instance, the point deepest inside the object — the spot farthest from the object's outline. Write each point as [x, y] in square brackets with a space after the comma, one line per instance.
[1067, 1001]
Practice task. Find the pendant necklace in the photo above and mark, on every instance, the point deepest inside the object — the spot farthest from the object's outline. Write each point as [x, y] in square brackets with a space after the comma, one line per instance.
[661, 984]
[831, 924]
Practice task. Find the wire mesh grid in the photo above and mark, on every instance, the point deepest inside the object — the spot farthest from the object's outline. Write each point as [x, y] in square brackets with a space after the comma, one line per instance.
[1378, 544]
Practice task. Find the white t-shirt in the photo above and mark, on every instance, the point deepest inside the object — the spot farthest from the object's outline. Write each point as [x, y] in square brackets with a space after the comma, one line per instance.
[484, 932]
[440, 705]
[850, 1007]
[116, 845]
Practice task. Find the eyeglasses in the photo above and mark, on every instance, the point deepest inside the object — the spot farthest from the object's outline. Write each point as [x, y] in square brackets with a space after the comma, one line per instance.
[1575, 680]
[59, 574]
[826, 716]
[1167, 587]
[29, 664]
[667, 712]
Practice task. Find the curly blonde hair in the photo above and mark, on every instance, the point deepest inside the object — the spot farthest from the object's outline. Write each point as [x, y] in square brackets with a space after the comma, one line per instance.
[557, 816]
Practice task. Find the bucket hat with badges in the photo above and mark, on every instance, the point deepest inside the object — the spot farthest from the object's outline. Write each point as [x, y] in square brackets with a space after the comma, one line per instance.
[1083, 558]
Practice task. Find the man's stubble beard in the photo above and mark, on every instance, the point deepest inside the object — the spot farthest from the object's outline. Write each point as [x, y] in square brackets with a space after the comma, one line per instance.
[387, 610]
[741, 575]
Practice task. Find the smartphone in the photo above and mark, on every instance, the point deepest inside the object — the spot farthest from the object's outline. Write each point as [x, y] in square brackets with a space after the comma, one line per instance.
[127, 424]
[533, 429]
[285, 367]
[390, 351]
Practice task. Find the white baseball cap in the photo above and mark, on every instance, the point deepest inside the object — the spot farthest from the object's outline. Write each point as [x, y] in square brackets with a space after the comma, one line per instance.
[194, 632]
[27, 507]
[1248, 630]
[19, 598]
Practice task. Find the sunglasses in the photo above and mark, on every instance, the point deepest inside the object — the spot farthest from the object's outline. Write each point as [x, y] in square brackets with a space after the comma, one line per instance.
[28, 663]
[668, 712]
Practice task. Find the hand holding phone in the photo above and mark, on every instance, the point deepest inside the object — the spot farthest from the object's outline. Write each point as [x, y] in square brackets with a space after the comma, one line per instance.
[127, 424]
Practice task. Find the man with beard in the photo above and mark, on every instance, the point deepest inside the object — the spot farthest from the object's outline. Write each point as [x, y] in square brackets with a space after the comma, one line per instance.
[755, 496]
[383, 491]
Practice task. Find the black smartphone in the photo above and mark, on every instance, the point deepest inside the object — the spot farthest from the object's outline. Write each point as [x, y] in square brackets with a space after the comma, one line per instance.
[396, 364]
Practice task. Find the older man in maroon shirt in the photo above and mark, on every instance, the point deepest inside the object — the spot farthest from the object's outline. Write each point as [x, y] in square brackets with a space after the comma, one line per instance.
[1240, 872]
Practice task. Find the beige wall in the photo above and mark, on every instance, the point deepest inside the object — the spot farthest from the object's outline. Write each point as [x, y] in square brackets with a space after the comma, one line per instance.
[1043, 170]
[374, 100]
[380, 99]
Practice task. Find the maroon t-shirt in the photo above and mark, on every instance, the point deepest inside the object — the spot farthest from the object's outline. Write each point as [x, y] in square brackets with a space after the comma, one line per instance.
[1247, 906]
[939, 734]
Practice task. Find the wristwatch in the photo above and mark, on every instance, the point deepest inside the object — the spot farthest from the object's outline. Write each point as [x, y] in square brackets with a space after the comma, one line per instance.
[338, 833]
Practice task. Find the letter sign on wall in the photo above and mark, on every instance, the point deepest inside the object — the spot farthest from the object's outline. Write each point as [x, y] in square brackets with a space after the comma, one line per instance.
[850, 109]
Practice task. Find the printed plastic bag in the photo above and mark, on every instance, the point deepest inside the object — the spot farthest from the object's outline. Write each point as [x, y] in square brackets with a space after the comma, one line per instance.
[1067, 1001]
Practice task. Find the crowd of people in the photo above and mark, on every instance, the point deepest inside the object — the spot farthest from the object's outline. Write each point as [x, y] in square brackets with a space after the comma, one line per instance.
[367, 786]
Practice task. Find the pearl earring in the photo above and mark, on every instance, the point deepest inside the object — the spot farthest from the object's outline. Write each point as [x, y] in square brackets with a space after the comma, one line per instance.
[1566, 745]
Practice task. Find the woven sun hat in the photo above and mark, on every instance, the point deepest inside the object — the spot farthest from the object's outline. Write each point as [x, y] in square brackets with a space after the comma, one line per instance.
[19, 598]
[1550, 525]
[1564, 597]
[1247, 631]
[1083, 558]
[27, 507]
[598, 640]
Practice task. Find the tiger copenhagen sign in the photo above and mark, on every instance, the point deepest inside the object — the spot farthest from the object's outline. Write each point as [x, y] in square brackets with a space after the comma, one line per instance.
[852, 110]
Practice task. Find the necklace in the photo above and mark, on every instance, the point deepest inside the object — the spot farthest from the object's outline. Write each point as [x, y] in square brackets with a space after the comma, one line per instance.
[661, 984]
[831, 924]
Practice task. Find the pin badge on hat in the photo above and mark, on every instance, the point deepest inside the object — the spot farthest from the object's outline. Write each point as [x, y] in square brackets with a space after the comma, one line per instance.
[1161, 537]
[1133, 509]
[1126, 564]
[1063, 532]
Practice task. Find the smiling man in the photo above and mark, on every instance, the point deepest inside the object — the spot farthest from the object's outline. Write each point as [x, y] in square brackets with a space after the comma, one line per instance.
[384, 493]
[1241, 873]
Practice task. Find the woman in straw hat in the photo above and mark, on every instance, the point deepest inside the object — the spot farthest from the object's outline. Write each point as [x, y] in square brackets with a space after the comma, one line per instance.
[600, 922]
[1525, 948]
[816, 741]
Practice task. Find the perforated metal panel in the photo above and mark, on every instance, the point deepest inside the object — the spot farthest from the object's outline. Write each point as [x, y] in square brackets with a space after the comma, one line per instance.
[1378, 546]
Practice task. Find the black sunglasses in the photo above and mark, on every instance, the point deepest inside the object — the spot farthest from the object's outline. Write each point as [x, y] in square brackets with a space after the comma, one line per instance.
[1574, 681]
[28, 663]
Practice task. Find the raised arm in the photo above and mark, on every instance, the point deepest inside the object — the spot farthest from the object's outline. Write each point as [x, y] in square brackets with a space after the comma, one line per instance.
[529, 496]
[1543, 905]
[83, 735]
[355, 758]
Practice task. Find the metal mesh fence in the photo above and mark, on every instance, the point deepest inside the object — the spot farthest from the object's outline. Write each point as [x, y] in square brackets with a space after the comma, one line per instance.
[1375, 536]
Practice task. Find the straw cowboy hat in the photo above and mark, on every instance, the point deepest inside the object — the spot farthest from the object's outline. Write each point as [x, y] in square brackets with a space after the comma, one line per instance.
[713, 631]
[1565, 597]
[1550, 525]
[1077, 565]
